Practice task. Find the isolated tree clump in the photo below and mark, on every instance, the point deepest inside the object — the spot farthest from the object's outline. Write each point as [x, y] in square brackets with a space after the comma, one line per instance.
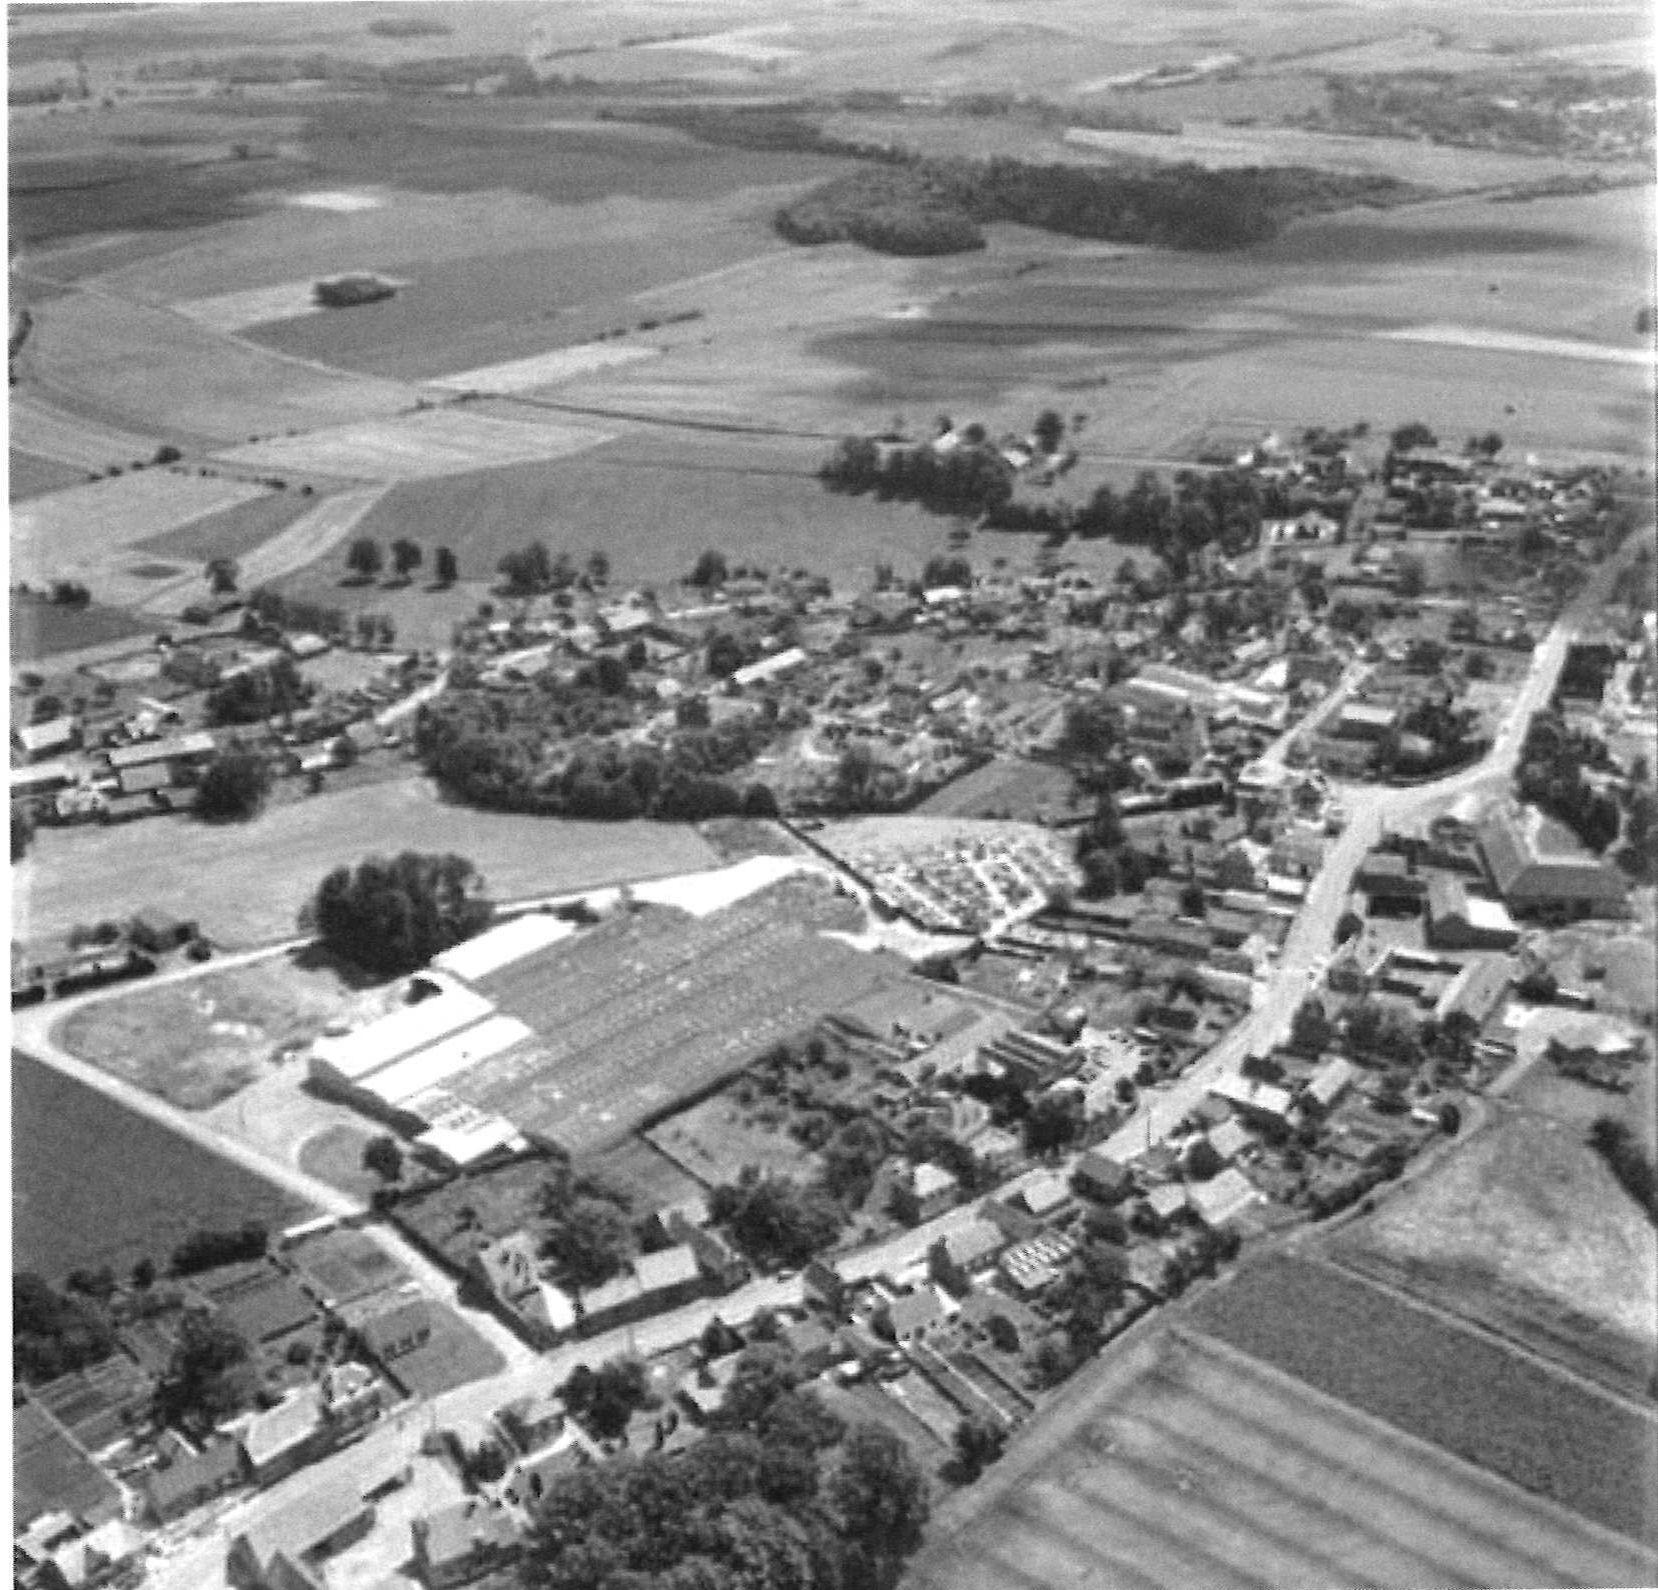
[393, 916]
[234, 786]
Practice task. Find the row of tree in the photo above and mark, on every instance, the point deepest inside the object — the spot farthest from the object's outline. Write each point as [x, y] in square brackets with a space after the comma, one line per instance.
[1223, 507]
[365, 558]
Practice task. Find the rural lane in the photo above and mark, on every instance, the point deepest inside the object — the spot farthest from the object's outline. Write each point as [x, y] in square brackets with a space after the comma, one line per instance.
[1373, 810]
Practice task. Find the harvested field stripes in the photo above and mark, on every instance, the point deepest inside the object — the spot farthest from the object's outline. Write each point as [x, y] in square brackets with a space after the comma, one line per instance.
[1391, 1479]
[417, 446]
[1353, 1341]
[1206, 1467]
[1359, 1513]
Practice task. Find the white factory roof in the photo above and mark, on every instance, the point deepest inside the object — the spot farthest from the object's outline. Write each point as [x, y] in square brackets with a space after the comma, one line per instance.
[410, 1027]
[438, 1062]
[503, 944]
[460, 1133]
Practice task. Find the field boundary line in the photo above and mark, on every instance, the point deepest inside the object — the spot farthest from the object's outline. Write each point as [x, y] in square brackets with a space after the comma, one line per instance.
[1196, 1339]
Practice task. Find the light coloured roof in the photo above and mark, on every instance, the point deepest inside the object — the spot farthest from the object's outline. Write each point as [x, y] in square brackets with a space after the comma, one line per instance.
[1224, 1198]
[449, 1057]
[503, 944]
[410, 1027]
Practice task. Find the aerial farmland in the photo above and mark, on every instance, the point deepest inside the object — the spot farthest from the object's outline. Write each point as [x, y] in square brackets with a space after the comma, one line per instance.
[833, 795]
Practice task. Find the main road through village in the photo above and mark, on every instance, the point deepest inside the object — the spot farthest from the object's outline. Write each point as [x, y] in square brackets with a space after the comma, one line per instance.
[196, 1555]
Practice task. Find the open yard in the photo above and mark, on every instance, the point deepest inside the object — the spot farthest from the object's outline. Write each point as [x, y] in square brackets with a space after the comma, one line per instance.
[1193, 1465]
[276, 862]
[1590, 1451]
[1525, 1230]
[717, 1139]
[454, 1356]
[198, 1041]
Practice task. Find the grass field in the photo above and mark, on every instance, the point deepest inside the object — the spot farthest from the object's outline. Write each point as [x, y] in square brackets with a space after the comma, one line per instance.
[31, 476]
[1192, 1465]
[197, 1042]
[80, 531]
[661, 500]
[455, 1355]
[716, 1139]
[130, 363]
[232, 532]
[1462, 1391]
[276, 862]
[335, 1155]
[40, 631]
[1007, 787]
[1525, 1230]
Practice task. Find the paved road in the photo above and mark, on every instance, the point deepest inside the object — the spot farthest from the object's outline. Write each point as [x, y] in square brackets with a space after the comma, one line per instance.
[1372, 809]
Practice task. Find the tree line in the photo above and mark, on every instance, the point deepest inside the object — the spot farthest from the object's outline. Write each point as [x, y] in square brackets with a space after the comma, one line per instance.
[1222, 507]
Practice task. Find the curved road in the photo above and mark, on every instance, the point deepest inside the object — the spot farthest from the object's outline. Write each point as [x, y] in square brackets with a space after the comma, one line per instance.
[1374, 808]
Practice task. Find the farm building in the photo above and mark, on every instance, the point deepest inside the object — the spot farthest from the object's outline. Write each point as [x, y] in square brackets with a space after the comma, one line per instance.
[1360, 720]
[1220, 1201]
[191, 1479]
[1477, 990]
[1252, 1100]
[44, 778]
[657, 1281]
[285, 1548]
[278, 1441]
[51, 738]
[1324, 1088]
[931, 1190]
[182, 751]
[1538, 868]
[1098, 1176]
[464, 1541]
[396, 1330]
[1460, 921]
[502, 945]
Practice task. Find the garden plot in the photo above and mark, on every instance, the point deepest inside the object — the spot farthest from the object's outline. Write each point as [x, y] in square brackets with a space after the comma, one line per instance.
[417, 446]
[544, 369]
[82, 532]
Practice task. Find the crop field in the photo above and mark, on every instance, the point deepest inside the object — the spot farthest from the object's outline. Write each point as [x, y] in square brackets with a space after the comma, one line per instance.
[40, 631]
[314, 534]
[137, 364]
[83, 530]
[29, 475]
[46, 431]
[230, 532]
[1590, 1451]
[544, 369]
[444, 441]
[656, 502]
[1193, 1465]
[278, 860]
[253, 306]
[1221, 147]
[654, 1006]
[1525, 1230]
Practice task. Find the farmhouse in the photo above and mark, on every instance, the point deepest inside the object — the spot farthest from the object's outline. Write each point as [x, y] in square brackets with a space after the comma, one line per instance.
[182, 751]
[1220, 1201]
[396, 1331]
[284, 1549]
[1537, 868]
[932, 1190]
[1460, 921]
[51, 738]
[464, 1541]
[657, 1281]
[191, 1479]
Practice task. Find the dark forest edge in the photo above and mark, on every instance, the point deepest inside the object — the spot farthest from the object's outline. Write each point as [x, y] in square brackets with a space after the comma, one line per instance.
[900, 202]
